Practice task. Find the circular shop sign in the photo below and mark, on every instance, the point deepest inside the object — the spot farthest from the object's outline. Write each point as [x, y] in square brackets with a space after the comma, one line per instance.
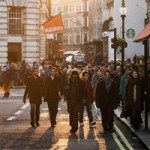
[130, 33]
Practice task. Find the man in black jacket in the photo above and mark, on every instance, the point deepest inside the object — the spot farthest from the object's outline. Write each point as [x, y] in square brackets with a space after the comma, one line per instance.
[106, 100]
[76, 94]
[34, 90]
[52, 94]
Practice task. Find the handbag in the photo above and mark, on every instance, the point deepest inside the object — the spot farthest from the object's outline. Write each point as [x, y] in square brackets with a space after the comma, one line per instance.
[126, 112]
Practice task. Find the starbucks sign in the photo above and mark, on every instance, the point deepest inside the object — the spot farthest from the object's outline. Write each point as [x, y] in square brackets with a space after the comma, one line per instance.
[130, 33]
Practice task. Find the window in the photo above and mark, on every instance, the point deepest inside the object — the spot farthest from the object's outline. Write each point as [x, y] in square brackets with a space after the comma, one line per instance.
[72, 39]
[85, 37]
[54, 10]
[71, 8]
[78, 39]
[78, 21]
[79, 7]
[65, 22]
[59, 9]
[72, 22]
[15, 20]
[65, 8]
[65, 39]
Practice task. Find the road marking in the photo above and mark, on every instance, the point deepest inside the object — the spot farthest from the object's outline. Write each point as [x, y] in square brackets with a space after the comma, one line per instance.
[118, 142]
[45, 109]
[20, 111]
[25, 106]
[11, 118]
[123, 138]
[8, 100]
[125, 141]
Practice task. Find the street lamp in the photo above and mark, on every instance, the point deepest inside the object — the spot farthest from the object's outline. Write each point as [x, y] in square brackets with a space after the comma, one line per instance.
[123, 12]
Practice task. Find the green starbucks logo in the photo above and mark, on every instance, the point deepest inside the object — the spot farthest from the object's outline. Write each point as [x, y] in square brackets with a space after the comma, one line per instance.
[130, 33]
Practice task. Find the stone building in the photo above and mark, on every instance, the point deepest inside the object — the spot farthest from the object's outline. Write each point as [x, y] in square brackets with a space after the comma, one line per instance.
[20, 36]
[75, 20]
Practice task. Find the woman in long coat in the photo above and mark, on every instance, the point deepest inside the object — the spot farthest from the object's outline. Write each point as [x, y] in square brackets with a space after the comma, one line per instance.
[134, 99]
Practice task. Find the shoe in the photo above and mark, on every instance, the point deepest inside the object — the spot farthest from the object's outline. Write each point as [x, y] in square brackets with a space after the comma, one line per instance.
[32, 124]
[92, 123]
[52, 125]
[73, 130]
[111, 131]
[81, 124]
[37, 124]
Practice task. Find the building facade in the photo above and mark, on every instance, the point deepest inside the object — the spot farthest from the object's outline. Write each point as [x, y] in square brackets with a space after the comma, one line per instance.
[20, 31]
[134, 22]
[75, 20]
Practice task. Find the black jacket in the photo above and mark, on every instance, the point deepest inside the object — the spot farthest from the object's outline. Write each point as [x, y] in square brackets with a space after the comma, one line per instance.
[34, 90]
[52, 89]
[104, 99]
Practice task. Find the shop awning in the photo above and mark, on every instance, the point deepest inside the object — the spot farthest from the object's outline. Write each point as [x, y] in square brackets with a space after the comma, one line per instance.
[144, 34]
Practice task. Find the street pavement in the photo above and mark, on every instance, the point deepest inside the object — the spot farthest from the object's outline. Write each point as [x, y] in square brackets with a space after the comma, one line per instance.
[142, 134]
[16, 133]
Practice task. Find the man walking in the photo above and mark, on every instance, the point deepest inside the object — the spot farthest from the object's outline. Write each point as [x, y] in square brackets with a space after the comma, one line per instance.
[106, 100]
[52, 89]
[34, 90]
[75, 96]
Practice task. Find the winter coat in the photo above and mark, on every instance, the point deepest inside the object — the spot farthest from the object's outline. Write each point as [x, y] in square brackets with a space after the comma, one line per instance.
[52, 89]
[134, 94]
[123, 85]
[76, 93]
[34, 90]
[104, 99]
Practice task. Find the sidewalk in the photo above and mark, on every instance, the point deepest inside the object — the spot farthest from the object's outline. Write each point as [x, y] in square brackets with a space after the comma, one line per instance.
[142, 135]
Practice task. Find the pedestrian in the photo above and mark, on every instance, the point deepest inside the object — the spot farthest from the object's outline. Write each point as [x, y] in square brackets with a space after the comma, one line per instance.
[6, 80]
[52, 96]
[123, 84]
[134, 99]
[75, 96]
[87, 102]
[106, 100]
[34, 90]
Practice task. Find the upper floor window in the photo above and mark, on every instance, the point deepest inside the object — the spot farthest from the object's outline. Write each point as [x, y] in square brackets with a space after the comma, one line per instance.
[71, 8]
[65, 21]
[79, 7]
[54, 10]
[65, 9]
[65, 39]
[15, 25]
[59, 9]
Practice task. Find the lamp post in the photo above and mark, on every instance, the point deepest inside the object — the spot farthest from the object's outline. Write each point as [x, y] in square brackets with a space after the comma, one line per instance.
[123, 11]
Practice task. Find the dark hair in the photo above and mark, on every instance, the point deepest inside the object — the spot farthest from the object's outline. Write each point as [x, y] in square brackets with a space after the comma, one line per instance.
[74, 73]
[84, 73]
[108, 71]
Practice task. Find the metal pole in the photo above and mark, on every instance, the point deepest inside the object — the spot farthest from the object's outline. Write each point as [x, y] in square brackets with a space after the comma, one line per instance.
[145, 70]
[123, 37]
[81, 37]
[115, 49]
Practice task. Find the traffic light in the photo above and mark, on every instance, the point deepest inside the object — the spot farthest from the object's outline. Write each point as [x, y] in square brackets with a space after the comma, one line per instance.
[113, 43]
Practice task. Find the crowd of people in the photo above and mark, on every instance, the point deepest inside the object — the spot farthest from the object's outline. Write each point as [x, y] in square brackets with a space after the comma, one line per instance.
[80, 87]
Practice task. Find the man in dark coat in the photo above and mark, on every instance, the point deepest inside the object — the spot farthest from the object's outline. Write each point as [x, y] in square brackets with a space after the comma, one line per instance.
[106, 100]
[52, 94]
[34, 90]
[76, 94]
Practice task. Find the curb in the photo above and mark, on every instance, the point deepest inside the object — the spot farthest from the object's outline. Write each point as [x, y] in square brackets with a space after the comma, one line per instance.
[119, 134]
[18, 87]
[134, 133]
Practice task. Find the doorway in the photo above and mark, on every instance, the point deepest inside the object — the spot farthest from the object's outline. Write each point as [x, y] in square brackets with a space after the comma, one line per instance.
[14, 52]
